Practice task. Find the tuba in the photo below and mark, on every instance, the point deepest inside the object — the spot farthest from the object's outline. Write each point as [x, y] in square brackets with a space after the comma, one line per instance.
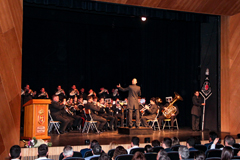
[171, 109]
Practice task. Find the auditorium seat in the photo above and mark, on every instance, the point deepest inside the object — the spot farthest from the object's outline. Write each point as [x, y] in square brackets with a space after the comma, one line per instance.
[218, 146]
[175, 148]
[83, 151]
[150, 156]
[110, 153]
[236, 145]
[236, 150]
[200, 147]
[236, 158]
[173, 155]
[213, 158]
[134, 150]
[157, 149]
[213, 153]
[124, 157]
[88, 154]
[94, 158]
[192, 153]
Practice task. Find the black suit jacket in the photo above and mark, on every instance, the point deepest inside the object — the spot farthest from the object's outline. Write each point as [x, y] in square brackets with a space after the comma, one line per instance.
[56, 108]
[153, 110]
[93, 108]
[133, 92]
[196, 109]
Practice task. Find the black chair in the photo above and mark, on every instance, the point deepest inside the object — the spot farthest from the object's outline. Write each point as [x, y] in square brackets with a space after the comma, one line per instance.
[94, 158]
[236, 150]
[192, 154]
[110, 153]
[157, 149]
[213, 153]
[75, 158]
[75, 155]
[150, 156]
[124, 157]
[236, 157]
[88, 154]
[236, 145]
[175, 148]
[200, 147]
[173, 155]
[213, 158]
[218, 146]
[134, 150]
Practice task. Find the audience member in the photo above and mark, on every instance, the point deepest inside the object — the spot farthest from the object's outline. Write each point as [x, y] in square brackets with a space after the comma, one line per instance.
[167, 144]
[42, 151]
[227, 153]
[199, 156]
[161, 153]
[190, 144]
[212, 136]
[138, 156]
[119, 151]
[67, 152]
[96, 150]
[93, 142]
[148, 148]
[228, 142]
[15, 152]
[155, 143]
[175, 141]
[183, 152]
[165, 157]
[104, 156]
[134, 144]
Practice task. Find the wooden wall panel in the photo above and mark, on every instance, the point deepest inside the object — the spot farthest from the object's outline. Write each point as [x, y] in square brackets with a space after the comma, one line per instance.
[11, 14]
[230, 71]
[217, 7]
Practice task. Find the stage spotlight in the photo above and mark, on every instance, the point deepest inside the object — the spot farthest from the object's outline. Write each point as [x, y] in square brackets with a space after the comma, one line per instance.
[143, 19]
[87, 142]
[147, 140]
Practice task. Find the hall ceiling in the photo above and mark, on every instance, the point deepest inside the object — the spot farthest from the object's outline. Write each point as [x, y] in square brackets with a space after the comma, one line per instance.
[215, 7]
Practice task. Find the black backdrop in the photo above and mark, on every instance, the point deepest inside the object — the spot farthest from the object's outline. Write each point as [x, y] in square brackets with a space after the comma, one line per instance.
[93, 50]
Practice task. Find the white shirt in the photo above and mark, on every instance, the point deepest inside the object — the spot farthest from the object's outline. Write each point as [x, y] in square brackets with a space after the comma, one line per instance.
[128, 150]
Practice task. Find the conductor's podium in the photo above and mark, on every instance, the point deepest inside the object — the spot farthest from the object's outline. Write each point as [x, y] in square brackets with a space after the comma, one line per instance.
[36, 119]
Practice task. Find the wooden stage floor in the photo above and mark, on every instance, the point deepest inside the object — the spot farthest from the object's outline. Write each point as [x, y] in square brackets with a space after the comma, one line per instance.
[76, 138]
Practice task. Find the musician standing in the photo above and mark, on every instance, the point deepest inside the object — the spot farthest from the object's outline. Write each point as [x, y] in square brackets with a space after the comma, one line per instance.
[60, 93]
[43, 94]
[28, 94]
[151, 111]
[73, 92]
[196, 111]
[133, 92]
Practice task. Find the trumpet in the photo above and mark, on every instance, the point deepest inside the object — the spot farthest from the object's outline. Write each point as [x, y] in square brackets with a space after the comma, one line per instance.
[68, 111]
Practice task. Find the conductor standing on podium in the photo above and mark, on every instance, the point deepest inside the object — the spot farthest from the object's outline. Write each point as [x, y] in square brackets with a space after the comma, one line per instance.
[133, 92]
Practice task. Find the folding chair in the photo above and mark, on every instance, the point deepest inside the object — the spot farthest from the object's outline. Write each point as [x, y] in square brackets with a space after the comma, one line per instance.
[52, 123]
[168, 122]
[89, 123]
[154, 121]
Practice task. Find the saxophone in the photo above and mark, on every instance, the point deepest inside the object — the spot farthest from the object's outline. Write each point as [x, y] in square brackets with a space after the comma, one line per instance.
[171, 109]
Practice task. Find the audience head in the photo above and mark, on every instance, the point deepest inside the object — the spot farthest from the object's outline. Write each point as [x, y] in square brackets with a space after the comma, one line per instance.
[43, 150]
[183, 152]
[167, 143]
[138, 156]
[104, 156]
[135, 141]
[199, 156]
[113, 145]
[229, 140]
[164, 158]
[212, 136]
[93, 143]
[118, 151]
[175, 141]
[161, 153]
[227, 153]
[148, 148]
[15, 152]
[190, 142]
[67, 151]
[155, 143]
[97, 149]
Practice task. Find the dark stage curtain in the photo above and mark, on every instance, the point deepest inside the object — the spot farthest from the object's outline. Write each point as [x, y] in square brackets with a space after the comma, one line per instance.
[64, 47]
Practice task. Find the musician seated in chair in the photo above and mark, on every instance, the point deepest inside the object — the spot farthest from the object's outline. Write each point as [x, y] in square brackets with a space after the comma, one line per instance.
[165, 107]
[150, 112]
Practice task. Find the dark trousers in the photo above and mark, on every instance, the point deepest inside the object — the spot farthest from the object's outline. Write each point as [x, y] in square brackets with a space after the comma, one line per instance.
[111, 120]
[101, 121]
[147, 117]
[130, 114]
[161, 118]
[195, 122]
[118, 116]
[77, 121]
[65, 121]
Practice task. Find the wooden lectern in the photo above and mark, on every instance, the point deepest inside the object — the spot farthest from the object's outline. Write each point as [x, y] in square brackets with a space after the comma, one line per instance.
[36, 119]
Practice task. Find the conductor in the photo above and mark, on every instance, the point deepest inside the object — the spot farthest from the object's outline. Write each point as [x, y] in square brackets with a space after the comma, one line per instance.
[133, 92]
